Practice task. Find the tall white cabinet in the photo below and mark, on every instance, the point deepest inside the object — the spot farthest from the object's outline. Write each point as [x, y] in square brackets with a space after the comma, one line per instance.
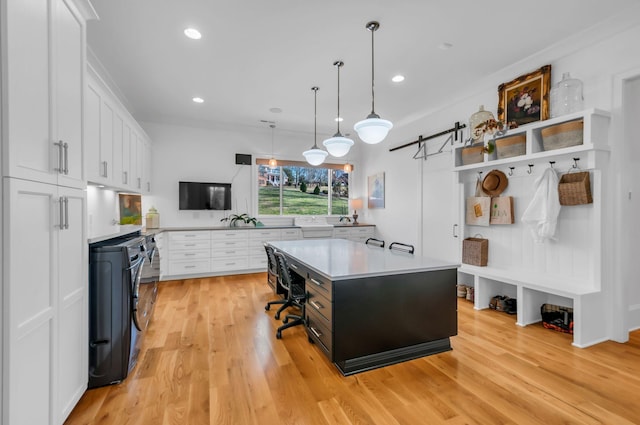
[44, 262]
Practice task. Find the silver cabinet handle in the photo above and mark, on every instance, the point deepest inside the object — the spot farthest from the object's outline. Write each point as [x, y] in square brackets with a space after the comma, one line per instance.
[315, 332]
[60, 168]
[66, 211]
[316, 282]
[125, 177]
[139, 183]
[66, 157]
[455, 227]
[189, 267]
[148, 186]
[189, 254]
[61, 213]
[316, 305]
[104, 169]
[293, 266]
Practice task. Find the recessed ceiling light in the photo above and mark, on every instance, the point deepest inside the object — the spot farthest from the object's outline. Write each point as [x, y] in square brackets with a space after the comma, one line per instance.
[338, 119]
[193, 33]
[445, 46]
[198, 99]
[275, 110]
[397, 78]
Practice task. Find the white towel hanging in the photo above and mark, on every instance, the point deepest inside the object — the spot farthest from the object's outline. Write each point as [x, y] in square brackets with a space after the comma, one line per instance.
[542, 213]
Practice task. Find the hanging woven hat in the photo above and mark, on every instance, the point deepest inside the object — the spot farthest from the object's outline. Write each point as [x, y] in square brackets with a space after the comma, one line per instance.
[494, 183]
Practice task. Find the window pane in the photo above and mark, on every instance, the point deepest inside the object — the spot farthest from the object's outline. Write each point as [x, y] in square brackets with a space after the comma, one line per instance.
[339, 192]
[268, 190]
[306, 192]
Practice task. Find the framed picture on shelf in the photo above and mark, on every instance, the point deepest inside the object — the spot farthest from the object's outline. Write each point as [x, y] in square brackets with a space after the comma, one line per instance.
[526, 98]
[375, 185]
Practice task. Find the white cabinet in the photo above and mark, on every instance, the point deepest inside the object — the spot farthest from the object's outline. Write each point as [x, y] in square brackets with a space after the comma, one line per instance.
[45, 303]
[257, 238]
[567, 271]
[229, 249]
[118, 154]
[189, 252]
[43, 91]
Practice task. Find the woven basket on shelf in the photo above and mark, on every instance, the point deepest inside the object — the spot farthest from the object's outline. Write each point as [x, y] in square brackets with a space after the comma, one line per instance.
[575, 189]
[475, 251]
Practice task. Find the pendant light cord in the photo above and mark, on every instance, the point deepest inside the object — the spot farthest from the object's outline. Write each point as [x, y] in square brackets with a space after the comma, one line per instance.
[315, 117]
[273, 126]
[338, 64]
[372, 29]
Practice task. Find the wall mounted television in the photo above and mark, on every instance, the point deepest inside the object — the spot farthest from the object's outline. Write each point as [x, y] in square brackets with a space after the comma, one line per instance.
[204, 196]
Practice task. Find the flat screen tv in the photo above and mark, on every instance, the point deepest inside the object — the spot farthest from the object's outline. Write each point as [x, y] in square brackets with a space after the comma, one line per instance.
[204, 196]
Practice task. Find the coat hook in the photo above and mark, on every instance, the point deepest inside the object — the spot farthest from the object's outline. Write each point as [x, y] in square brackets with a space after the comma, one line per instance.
[551, 163]
[530, 167]
[511, 171]
[480, 174]
[575, 162]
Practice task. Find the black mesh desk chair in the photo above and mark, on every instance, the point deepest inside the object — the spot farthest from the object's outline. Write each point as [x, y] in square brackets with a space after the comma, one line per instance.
[295, 295]
[272, 279]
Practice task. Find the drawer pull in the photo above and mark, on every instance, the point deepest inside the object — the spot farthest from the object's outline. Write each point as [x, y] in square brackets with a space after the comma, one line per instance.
[188, 254]
[189, 236]
[315, 332]
[189, 244]
[229, 252]
[229, 264]
[316, 305]
[189, 267]
[293, 266]
[316, 282]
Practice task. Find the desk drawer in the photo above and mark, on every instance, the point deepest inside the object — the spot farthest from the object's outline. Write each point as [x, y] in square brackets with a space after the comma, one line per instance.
[297, 268]
[321, 283]
[320, 333]
[190, 245]
[317, 301]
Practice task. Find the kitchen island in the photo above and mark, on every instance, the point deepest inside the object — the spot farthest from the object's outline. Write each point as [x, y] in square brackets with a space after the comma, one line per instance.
[369, 307]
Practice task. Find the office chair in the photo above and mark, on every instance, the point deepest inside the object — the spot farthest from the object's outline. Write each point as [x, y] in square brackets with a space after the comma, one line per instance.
[402, 247]
[295, 295]
[272, 277]
[375, 242]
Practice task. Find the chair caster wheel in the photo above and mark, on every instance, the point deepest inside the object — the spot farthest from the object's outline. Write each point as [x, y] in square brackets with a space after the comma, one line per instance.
[267, 307]
[279, 335]
[277, 316]
[286, 320]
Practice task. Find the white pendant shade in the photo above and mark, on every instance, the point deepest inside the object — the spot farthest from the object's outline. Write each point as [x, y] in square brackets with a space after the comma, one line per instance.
[338, 145]
[373, 130]
[315, 156]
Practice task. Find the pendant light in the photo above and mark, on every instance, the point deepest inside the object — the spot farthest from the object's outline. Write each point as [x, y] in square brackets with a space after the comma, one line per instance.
[347, 167]
[315, 155]
[338, 145]
[373, 129]
[272, 162]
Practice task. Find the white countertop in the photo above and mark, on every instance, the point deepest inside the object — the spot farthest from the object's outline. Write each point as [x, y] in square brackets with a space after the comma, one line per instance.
[339, 259]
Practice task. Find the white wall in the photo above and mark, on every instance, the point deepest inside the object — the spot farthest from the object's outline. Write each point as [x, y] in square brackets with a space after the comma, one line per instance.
[208, 154]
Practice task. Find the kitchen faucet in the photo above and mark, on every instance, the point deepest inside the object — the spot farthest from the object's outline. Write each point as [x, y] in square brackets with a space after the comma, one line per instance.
[344, 217]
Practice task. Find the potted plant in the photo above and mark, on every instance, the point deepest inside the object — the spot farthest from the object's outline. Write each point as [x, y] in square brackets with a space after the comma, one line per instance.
[240, 220]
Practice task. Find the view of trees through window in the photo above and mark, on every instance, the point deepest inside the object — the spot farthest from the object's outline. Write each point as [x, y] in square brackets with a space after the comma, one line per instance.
[300, 190]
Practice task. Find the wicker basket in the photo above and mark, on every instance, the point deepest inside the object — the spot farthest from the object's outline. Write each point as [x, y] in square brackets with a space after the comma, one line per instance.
[475, 251]
[562, 135]
[472, 154]
[510, 146]
[557, 318]
[575, 189]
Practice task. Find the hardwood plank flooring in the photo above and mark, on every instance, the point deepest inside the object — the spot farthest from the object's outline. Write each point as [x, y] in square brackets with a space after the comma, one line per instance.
[211, 357]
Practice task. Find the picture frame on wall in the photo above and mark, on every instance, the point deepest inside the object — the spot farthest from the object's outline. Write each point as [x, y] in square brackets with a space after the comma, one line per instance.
[525, 99]
[130, 206]
[375, 190]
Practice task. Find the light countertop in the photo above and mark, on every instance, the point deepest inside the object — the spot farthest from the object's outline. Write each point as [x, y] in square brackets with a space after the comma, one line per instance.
[339, 259]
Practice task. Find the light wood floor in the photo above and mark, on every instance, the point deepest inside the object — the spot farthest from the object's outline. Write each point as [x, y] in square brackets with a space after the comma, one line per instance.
[211, 357]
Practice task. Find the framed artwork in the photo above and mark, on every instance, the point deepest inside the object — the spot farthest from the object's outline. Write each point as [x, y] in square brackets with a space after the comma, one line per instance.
[525, 99]
[130, 208]
[375, 185]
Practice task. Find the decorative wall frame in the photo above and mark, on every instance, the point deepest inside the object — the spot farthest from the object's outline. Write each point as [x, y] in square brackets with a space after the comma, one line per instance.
[130, 208]
[375, 186]
[526, 98]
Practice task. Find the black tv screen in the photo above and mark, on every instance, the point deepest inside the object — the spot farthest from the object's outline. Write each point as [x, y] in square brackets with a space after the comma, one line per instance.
[204, 196]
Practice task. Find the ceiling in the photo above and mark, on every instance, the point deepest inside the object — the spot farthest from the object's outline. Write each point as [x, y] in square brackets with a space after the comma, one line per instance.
[255, 55]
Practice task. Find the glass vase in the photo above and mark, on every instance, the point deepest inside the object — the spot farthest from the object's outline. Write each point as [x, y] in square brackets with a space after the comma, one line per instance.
[566, 96]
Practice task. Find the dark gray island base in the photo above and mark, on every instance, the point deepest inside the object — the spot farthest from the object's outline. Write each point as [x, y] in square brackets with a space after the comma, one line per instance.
[368, 307]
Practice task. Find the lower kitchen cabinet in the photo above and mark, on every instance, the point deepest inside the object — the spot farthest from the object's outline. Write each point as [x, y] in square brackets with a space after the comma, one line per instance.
[45, 301]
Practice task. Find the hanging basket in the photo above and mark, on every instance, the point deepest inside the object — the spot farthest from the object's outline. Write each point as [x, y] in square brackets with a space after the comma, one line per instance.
[575, 189]
[475, 251]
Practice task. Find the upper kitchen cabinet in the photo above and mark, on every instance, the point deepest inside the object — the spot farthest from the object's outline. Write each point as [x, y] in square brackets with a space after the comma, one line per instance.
[116, 146]
[43, 56]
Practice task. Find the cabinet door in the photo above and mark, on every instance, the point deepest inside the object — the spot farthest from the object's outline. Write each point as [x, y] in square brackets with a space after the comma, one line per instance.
[31, 269]
[146, 167]
[136, 168]
[106, 141]
[117, 177]
[92, 133]
[30, 151]
[68, 54]
[126, 156]
[72, 329]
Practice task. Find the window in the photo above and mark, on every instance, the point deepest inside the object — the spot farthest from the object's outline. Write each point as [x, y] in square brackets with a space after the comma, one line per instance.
[294, 188]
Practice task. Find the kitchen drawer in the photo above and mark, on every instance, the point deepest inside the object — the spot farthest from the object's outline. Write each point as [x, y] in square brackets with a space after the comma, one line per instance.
[366, 231]
[217, 235]
[290, 234]
[229, 264]
[341, 232]
[297, 268]
[258, 261]
[319, 333]
[257, 250]
[264, 235]
[233, 243]
[189, 236]
[191, 245]
[318, 302]
[190, 255]
[229, 252]
[322, 284]
[189, 267]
